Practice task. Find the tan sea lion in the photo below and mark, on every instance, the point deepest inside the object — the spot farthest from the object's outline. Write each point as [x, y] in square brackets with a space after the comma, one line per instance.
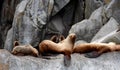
[24, 49]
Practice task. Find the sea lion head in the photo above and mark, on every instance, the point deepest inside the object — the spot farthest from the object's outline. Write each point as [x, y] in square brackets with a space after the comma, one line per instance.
[15, 50]
[72, 37]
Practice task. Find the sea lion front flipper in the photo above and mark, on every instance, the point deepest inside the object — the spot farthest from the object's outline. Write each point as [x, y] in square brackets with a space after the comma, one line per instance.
[67, 60]
[16, 43]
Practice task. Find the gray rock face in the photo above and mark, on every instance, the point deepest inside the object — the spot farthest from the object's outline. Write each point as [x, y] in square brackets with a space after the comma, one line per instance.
[107, 61]
[86, 29]
[28, 21]
[113, 36]
[30, 16]
[92, 5]
[7, 9]
[109, 27]
[80, 42]
[113, 10]
[36, 20]
[8, 43]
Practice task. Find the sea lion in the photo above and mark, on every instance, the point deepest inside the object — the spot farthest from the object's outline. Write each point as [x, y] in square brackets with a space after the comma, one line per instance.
[57, 38]
[63, 47]
[96, 48]
[24, 50]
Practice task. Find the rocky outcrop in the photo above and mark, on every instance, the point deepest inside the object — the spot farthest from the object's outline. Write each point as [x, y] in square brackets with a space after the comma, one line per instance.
[28, 22]
[28, 27]
[107, 61]
[36, 20]
[108, 29]
[92, 5]
[102, 22]
[113, 9]
[87, 28]
[7, 9]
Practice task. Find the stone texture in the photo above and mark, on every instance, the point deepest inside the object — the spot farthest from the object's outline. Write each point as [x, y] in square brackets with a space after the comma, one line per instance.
[92, 5]
[36, 20]
[107, 61]
[7, 10]
[109, 27]
[30, 16]
[86, 29]
[8, 43]
[80, 42]
[113, 36]
[113, 10]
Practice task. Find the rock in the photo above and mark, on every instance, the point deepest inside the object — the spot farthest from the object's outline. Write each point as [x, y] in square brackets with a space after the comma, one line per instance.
[92, 5]
[70, 14]
[86, 29]
[111, 37]
[36, 20]
[8, 43]
[113, 10]
[28, 22]
[80, 42]
[109, 27]
[107, 1]
[107, 61]
[59, 6]
[99, 16]
[7, 9]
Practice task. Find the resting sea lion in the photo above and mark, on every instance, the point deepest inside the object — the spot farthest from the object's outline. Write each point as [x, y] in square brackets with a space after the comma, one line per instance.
[24, 50]
[96, 48]
[63, 47]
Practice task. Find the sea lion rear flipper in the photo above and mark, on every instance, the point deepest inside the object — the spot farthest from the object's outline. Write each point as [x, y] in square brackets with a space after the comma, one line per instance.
[92, 54]
[62, 37]
[54, 38]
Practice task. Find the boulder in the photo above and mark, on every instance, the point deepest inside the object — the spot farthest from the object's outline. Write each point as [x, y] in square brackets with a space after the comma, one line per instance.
[86, 29]
[36, 20]
[8, 43]
[92, 5]
[29, 19]
[109, 27]
[111, 37]
[80, 42]
[107, 61]
[113, 10]
[7, 10]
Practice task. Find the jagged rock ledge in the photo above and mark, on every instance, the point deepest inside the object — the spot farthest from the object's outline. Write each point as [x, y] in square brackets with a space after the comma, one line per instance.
[107, 61]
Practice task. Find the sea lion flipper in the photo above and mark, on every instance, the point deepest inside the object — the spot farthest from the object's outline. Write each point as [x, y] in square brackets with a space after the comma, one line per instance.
[54, 38]
[67, 60]
[62, 37]
[16, 43]
[93, 54]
